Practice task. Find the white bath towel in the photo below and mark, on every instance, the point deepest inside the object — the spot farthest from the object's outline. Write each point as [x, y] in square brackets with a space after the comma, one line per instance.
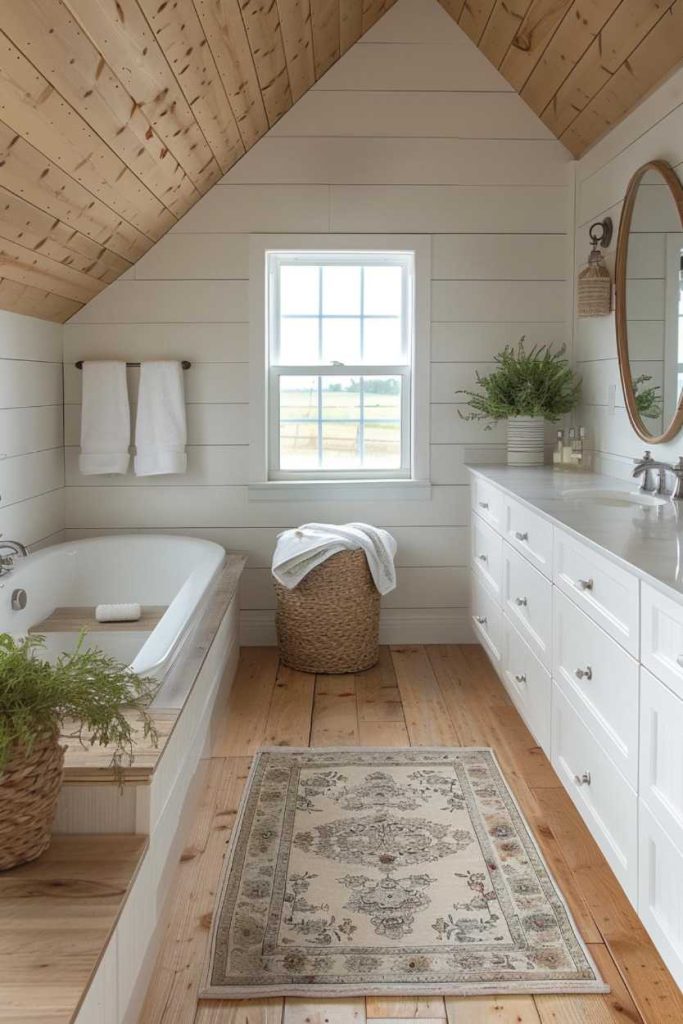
[105, 419]
[299, 551]
[160, 426]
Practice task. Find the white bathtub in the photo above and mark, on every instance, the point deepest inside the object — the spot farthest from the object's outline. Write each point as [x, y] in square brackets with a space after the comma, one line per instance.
[150, 569]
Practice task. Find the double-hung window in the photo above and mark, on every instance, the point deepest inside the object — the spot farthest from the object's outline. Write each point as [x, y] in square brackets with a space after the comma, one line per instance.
[340, 348]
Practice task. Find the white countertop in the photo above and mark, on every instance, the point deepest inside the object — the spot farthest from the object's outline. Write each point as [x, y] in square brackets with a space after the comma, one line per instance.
[647, 539]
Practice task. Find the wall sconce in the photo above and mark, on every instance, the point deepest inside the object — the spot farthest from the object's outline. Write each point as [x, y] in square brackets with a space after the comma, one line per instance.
[594, 286]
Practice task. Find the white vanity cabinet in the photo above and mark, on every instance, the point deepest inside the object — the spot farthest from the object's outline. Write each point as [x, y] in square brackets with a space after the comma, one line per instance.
[591, 655]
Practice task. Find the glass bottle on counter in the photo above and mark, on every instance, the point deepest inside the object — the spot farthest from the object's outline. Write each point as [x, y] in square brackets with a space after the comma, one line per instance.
[568, 449]
[557, 450]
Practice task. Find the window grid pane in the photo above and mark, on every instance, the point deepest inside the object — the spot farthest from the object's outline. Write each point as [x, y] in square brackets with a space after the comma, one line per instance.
[324, 422]
[346, 324]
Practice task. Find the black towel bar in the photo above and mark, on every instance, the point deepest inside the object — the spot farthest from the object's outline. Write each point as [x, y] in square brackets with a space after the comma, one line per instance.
[186, 364]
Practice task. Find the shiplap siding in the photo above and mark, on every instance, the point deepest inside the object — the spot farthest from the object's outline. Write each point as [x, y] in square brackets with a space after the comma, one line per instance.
[411, 131]
[653, 131]
[31, 434]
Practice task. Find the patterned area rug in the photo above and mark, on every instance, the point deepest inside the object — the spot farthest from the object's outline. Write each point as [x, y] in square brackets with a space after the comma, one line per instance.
[399, 871]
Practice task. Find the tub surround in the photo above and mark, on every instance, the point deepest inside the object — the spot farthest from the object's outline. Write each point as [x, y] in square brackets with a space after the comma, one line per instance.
[648, 540]
[577, 598]
[143, 817]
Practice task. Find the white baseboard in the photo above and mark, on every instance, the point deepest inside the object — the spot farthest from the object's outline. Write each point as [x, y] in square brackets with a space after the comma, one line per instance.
[397, 626]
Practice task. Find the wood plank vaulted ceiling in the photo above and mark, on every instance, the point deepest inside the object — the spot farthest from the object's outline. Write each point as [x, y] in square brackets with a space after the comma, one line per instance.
[116, 116]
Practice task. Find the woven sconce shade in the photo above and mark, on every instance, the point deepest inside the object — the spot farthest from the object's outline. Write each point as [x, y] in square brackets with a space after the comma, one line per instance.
[594, 289]
[594, 286]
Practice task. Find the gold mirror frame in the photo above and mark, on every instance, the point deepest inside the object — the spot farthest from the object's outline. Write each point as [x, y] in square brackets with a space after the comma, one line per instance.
[668, 174]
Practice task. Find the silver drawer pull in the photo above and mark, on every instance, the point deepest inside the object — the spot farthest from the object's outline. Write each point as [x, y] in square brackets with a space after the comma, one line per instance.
[521, 536]
[521, 678]
[483, 558]
[584, 673]
[521, 601]
[585, 584]
[481, 619]
[483, 504]
[583, 780]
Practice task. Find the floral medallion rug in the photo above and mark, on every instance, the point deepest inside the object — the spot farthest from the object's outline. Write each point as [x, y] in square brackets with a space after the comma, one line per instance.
[361, 871]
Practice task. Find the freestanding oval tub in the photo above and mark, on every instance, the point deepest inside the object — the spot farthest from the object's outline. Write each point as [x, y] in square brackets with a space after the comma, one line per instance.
[174, 573]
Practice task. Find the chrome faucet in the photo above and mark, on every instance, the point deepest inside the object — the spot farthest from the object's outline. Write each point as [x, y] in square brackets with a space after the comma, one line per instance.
[656, 477]
[16, 548]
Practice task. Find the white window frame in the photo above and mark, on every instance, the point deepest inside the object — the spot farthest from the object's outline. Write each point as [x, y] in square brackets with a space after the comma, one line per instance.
[267, 481]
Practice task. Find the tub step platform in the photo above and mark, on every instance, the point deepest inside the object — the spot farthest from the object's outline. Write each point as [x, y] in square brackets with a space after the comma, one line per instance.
[73, 619]
[56, 918]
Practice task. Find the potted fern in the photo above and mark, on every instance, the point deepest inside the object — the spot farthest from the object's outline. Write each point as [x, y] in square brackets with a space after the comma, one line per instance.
[86, 692]
[527, 388]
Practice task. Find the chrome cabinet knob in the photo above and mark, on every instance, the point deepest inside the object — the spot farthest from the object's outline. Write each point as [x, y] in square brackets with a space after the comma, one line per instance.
[585, 584]
[583, 780]
[483, 504]
[584, 673]
[483, 558]
[481, 619]
[521, 678]
[521, 536]
[521, 601]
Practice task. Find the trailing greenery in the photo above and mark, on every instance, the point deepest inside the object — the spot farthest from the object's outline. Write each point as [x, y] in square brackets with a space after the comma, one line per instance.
[85, 685]
[537, 382]
[648, 399]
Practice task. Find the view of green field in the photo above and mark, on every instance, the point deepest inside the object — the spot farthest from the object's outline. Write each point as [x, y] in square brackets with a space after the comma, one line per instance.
[345, 425]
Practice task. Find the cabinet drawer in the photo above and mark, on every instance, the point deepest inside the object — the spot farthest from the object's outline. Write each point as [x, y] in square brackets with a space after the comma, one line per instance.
[660, 891]
[487, 502]
[604, 591]
[662, 637]
[661, 754]
[487, 553]
[529, 534]
[486, 618]
[600, 681]
[527, 600]
[603, 797]
[528, 684]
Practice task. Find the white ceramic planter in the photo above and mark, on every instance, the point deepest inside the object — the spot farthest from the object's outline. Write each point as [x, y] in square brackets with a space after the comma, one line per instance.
[526, 441]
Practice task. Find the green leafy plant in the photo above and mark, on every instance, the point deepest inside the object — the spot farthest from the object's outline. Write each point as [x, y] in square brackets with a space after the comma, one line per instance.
[537, 382]
[86, 688]
[648, 399]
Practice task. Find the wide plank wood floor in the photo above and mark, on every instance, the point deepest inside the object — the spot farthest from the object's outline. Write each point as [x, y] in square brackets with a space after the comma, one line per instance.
[415, 696]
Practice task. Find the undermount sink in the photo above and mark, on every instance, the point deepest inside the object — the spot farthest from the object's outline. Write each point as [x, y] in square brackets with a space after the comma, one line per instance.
[613, 498]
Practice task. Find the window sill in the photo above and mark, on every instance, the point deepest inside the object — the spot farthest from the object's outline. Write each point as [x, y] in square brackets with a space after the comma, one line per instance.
[341, 490]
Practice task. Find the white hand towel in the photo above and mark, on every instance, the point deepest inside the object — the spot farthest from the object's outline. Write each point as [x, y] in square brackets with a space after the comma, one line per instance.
[160, 427]
[105, 419]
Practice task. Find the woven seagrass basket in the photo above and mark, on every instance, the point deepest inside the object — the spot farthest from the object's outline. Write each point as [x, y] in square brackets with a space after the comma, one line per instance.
[330, 622]
[29, 788]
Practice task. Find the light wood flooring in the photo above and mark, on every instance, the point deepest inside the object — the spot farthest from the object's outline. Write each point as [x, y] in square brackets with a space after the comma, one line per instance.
[415, 696]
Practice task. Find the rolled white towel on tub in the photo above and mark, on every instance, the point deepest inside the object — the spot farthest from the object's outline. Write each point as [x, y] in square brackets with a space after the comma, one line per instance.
[118, 612]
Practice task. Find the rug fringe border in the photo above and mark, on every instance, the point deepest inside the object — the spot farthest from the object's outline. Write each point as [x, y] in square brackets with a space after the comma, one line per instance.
[206, 991]
[314, 991]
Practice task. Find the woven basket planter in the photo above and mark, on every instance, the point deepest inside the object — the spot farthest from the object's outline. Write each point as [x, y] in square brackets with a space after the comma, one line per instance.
[330, 622]
[29, 789]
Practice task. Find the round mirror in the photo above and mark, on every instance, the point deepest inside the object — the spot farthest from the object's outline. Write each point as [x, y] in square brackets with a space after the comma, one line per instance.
[649, 314]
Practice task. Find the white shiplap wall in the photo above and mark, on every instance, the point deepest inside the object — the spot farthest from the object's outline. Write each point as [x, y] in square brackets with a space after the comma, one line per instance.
[653, 131]
[31, 436]
[412, 131]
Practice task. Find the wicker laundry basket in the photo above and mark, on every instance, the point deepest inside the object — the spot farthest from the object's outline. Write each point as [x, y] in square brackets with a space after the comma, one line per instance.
[29, 789]
[330, 622]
